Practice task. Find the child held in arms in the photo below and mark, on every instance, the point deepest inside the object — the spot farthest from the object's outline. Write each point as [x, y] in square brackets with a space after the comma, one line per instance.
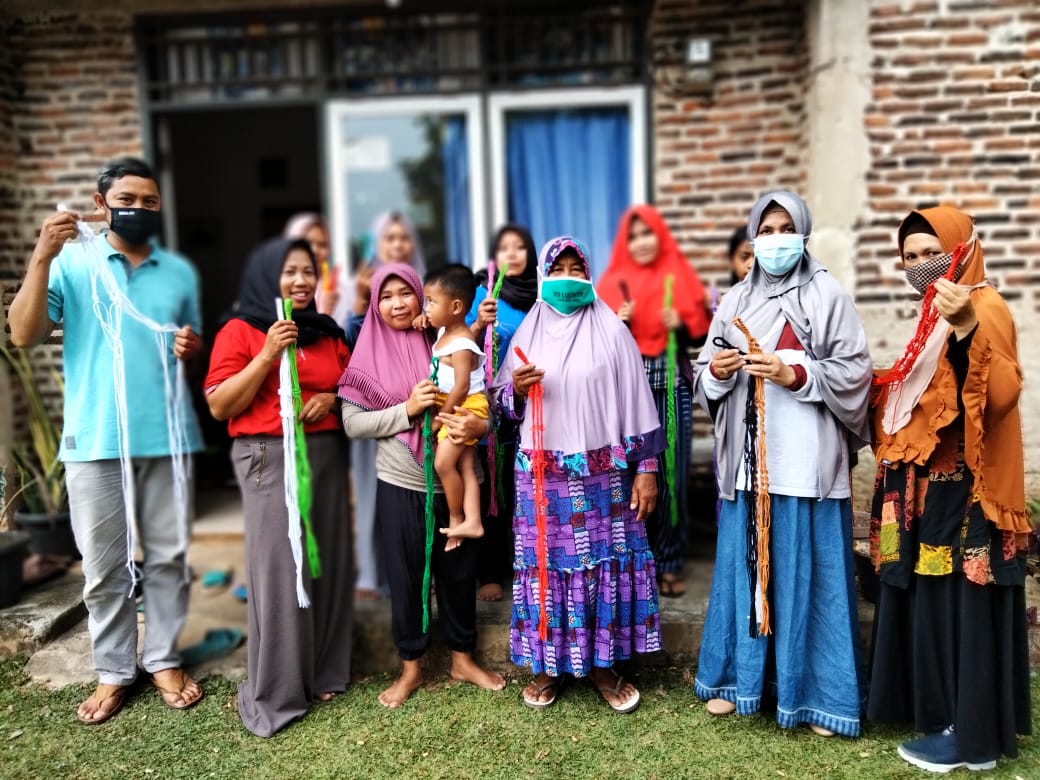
[458, 371]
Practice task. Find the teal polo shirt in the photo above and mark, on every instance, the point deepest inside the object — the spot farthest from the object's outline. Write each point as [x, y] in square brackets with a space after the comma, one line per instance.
[164, 288]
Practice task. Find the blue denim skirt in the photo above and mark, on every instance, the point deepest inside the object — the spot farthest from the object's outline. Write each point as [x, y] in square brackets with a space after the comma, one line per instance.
[812, 662]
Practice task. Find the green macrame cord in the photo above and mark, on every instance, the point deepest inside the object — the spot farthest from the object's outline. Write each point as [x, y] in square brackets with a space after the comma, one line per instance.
[427, 430]
[304, 487]
[671, 352]
[498, 453]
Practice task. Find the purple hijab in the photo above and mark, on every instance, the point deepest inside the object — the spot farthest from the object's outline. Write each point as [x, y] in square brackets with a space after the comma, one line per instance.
[596, 393]
[386, 363]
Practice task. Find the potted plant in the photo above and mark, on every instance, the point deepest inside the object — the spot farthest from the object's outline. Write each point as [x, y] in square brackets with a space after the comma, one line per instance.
[12, 550]
[41, 500]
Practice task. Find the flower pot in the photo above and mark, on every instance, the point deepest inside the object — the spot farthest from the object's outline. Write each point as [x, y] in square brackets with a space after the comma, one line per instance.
[13, 545]
[48, 534]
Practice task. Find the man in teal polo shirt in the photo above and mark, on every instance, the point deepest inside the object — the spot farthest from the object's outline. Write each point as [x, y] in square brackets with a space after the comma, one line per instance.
[62, 287]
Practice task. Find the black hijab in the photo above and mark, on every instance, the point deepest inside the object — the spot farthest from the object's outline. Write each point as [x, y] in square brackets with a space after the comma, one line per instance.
[521, 291]
[261, 286]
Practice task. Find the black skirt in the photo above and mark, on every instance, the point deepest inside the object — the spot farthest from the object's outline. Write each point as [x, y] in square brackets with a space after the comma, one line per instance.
[950, 640]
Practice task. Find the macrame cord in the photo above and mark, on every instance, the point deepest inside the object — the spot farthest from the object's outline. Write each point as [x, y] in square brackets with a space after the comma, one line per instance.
[428, 456]
[491, 344]
[175, 394]
[296, 472]
[925, 325]
[671, 426]
[758, 507]
[535, 394]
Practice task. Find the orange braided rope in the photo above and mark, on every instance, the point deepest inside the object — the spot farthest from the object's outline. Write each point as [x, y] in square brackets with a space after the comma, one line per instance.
[762, 503]
[541, 502]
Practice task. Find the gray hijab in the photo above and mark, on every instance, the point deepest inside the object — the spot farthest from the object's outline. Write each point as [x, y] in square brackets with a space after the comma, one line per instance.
[824, 319]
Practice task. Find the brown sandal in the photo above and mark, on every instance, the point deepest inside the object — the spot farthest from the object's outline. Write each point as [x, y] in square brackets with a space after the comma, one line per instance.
[118, 699]
[170, 695]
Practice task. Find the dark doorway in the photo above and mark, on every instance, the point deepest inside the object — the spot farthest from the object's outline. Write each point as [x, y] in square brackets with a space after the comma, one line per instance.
[236, 176]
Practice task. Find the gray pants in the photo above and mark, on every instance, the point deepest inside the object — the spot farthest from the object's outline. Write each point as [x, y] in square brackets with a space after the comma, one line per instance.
[99, 525]
[294, 654]
[371, 574]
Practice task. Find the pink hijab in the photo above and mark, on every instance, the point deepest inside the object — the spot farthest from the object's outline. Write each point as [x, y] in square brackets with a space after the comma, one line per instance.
[386, 363]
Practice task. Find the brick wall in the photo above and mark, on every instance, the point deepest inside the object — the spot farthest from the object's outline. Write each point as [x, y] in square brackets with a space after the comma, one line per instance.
[955, 118]
[69, 86]
[714, 155]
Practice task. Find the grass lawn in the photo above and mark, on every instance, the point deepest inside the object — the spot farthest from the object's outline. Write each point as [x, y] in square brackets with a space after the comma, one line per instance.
[446, 730]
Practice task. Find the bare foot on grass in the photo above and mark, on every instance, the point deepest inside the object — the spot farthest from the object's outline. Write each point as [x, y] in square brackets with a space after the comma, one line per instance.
[465, 669]
[492, 591]
[403, 687]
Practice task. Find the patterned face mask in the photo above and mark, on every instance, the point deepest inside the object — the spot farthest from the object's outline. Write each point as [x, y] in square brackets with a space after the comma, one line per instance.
[924, 274]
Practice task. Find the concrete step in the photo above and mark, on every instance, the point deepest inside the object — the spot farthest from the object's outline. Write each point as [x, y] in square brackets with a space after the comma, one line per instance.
[67, 660]
[42, 614]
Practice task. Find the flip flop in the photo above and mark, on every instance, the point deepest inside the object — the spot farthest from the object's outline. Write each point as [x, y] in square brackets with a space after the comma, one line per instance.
[119, 698]
[241, 594]
[622, 709]
[217, 643]
[215, 581]
[183, 677]
[671, 587]
[553, 684]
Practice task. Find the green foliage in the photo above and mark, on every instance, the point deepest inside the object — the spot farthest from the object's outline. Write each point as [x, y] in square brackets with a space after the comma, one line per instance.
[446, 730]
[41, 473]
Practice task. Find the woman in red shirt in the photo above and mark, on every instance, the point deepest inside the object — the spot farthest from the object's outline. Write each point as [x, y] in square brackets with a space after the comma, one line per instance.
[295, 655]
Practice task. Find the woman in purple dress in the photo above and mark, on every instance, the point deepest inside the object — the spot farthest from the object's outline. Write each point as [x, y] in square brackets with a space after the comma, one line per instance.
[600, 441]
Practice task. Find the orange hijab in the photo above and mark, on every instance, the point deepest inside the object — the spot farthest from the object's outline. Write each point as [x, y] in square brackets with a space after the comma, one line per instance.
[992, 424]
[645, 284]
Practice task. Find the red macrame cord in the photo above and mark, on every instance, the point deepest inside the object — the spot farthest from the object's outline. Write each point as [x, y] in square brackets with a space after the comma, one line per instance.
[541, 503]
[925, 325]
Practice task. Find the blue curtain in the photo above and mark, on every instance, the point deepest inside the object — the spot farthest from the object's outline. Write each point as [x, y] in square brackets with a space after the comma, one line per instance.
[456, 191]
[569, 173]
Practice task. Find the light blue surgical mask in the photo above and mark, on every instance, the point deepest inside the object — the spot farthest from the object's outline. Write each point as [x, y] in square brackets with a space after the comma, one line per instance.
[567, 294]
[778, 253]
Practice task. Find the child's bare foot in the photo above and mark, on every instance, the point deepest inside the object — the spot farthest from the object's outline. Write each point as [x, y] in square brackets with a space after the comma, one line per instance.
[471, 528]
[465, 669]
[403, 687]
[490, 592]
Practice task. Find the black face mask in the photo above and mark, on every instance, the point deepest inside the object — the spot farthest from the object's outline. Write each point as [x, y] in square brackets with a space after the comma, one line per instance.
[135, 226]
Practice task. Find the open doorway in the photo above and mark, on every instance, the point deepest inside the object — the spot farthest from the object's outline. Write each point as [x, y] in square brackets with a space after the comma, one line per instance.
[231, 178]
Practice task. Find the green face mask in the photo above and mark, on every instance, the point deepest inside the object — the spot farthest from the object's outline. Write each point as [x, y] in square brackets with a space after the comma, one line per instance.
[567, 295]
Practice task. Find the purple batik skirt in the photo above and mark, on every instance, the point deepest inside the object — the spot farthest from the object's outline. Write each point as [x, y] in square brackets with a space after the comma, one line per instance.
[601, 599]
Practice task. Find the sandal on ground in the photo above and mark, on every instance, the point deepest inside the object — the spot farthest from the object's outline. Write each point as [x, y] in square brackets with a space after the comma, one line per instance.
[622, 709]
[117, 699]
[553, 684]
[821, 731]
[170, 695]
[720, 707]
[671, 586]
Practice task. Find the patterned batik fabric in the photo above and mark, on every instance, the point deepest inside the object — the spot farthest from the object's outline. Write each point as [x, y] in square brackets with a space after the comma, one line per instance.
[927, 522]
[602, 594]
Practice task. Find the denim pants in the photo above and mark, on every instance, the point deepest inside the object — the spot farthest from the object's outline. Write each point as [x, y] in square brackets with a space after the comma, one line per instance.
[98, 514]
[812, 661]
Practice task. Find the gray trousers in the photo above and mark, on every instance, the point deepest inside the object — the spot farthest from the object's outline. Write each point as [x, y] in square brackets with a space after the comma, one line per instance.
[99, 524]
[371, 574]
[294, 654]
